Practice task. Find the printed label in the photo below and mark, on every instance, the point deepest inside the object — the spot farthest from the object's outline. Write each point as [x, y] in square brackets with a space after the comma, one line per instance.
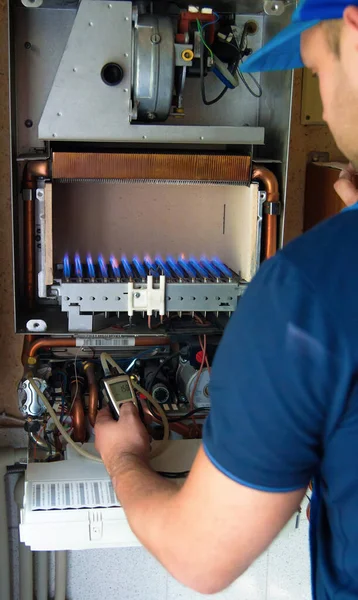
[73, 494]
[105, 341]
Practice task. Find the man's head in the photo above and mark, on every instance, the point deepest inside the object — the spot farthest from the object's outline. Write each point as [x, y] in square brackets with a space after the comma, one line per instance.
[324, 37]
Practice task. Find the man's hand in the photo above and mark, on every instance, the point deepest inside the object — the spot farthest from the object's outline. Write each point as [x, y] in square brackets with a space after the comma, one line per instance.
[118, 439]
[346, 186]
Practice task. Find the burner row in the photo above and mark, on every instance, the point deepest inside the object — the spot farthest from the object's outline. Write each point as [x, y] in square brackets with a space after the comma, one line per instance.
[173, 269]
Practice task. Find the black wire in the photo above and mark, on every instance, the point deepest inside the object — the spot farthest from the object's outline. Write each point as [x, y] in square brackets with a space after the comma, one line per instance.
[178, 475]
[232, 70]
[202, 82]
[161, 365]
[254, 94]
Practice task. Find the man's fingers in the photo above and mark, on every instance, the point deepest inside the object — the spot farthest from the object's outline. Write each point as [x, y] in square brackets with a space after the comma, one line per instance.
[104, 415]
[346, 189]
[128, 409]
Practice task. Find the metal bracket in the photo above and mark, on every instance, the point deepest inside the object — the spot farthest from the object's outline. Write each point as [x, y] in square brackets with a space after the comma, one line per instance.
[260, 211]
[272, 208]
[179, 50]
[317, 156]
[276, 8]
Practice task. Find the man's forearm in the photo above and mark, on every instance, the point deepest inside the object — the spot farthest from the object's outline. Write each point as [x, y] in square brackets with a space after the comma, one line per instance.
[148, 500]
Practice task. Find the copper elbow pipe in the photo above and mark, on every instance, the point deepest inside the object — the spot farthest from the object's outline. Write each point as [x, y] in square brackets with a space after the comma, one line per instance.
[50, 343]
[270, 183]
[92, 392]
[78, 413]
[33, 170]
[28, 339]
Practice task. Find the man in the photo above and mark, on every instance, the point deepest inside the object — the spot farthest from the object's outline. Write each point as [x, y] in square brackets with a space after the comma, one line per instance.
[284, 384]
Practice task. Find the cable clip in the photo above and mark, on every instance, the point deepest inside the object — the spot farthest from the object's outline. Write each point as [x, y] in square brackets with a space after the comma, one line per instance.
[272, 208]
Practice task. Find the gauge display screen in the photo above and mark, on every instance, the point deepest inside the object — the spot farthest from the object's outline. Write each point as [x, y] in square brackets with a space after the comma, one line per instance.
[120, 391]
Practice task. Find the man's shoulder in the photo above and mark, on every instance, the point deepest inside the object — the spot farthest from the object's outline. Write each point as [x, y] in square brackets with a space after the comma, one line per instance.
[326, 258]
[330, 246]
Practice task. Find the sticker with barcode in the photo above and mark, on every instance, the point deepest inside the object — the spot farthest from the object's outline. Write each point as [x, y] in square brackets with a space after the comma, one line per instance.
[106, 341]
[73, 494]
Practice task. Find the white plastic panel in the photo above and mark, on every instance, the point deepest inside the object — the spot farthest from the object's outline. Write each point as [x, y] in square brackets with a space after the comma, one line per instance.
[52, 527]
[155, 219]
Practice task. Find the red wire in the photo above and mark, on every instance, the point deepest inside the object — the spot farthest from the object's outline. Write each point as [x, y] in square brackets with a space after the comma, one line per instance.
[204, 357]
[204, 352]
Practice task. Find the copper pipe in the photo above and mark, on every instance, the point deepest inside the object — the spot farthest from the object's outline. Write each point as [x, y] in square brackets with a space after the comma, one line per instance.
[32, 170]
[28, 339]
[77, 412]
[152, 341]
[181, 428]
[71, 343]
[92, 392]
[50, 343]
[270, 183]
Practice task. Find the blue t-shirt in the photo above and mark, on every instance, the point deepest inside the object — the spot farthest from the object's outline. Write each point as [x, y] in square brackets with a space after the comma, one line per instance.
[284, 392]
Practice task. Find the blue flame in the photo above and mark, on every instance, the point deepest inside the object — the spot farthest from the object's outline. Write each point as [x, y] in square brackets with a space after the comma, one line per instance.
[102, 266]
[115, 266]
[210, 267]
[138, 265]
[175, 267]
[195, 264]
[66, 266]
[162, 266]
[220, 265]
[90, 267]
[78, 266]
[187, 268]
[126, 266]
[152, 269]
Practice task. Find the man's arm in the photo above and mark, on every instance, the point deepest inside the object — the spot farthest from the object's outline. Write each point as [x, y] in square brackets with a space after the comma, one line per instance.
[205, 533]
[280, 366]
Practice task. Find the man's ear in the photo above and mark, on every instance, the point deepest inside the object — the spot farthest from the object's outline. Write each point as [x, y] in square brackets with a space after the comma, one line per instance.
[350, 18]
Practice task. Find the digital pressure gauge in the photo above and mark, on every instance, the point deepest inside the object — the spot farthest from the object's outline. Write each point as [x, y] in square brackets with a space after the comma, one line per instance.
[119, 391]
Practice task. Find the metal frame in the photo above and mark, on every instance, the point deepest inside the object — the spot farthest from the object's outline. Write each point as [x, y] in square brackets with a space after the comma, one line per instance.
[102, 33]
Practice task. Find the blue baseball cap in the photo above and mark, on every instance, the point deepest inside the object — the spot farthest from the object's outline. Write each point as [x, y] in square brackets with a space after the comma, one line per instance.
[284, 51]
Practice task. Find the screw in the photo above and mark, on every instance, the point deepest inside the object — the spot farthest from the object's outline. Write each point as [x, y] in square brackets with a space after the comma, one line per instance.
[27, 45]
[28, 123]
[151, 116]
[137, 295]
[155, 38]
